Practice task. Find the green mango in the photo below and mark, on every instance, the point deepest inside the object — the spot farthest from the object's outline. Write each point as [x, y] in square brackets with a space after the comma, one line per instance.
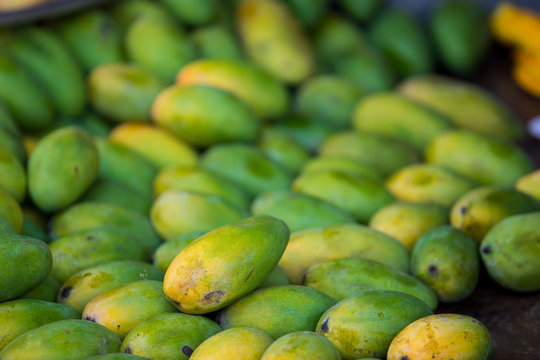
[341, 164]
[328, 99]
[32, 229]
[20, 316]
[246, 166]
[61, 168]
[364, 324]
[13, 144]
[95, 125]
[530, 184]
[273, 39]
[346, 277]
[309, 12]
[111, 192]
[159, 45]
[166, 252]
[189, 112]
[277, 310]
[193, 12]
[46, 290]
[465, 104]
[6, 227]
[510, 252]
[81, 287]
[24, 263]
[10, 211]
[362, 10]
[487, 160]
[216, 41]
[283, 149]
[400, 37]
[360, 146]
[360, 196]
[308, 134]
[122, 308]
[116, 356]
[447, 260]
[13, 178]
[169, 336]
[407, 222]
[277, 277]
[335, 37]
[299, 211]
[428, 183]
[197, 281]
[123, 92]
[264, 94]
[301, 345]
[478, 210]
[63, 339]
[7, 122]
[93, 37]
[175, 213]
[125, 12]
[461, 35]
[318, 245]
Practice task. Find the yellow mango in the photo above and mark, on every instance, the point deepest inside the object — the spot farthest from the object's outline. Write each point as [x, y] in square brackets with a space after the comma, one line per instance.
[516, 25]
[302, 345]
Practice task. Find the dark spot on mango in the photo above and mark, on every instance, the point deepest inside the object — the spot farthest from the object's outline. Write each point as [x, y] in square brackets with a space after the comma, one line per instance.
[213, 296]
[127, 350]
[432, 270]
[117, 327]
[90, 237]
[247, 278]
[324, 326]
[486, 249]
[405, 357]
[463, 210]
[186, 350]
[380, 315]
[65, 292]
[89, 318]
[76, 169]
[304, 278]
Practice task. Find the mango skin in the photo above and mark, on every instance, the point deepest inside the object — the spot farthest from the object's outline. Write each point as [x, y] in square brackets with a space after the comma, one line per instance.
[61, 168]
[21, 316]
[114, 357]
[450, 336]
[301, 345]
[118, 194]
[166, 252]
[345, 277]
[24, 263]
[510, 252]
[12, 143]
[216, 41]
[318, 245]
[193, 13]
[13, 175]
[169, 336]
[365, 324]
[478, 210]
[80, 288]
[46, 290]
[122, 308]
[239, 343]
[340, 164]
[308, 134]
[299, 211]
[11, 211]
[447, 260]
[308, 12]
[125, 13]
[362, 10]
[6, 227]
[197, 281]
[277, 310]
[529, 184]
[283, 149]
[63, 339]
[277, 277]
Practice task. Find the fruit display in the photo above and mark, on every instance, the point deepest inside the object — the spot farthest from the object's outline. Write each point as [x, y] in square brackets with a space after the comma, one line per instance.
[264, 179]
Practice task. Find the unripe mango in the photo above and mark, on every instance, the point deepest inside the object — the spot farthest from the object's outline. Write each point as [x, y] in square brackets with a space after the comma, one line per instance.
[283, 149]
[301, 345]
[11, 211]
[125, 12]
[308, 12]
[335, 37]
[197, 281]
[216, 41]
[115, 357]
[362, 10]
[12, 143]
[193, 13]
[46, 290]
[277, 277]
[118, 194]
[13, 178]
[307, 133]
[340, 164]
[166, 252]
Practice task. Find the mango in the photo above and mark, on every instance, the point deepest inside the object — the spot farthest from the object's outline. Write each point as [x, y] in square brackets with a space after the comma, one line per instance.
[123, 92]
[510, 250]
[125, 12]
[308, 12]
[283, 149]
[478, 210]
[95, 124]
[239, 343]
[529, 184]
[61, 168]
[216, 41]
[246, 166]
[360, 146]
[308, 134]
[169, 336]
[340, 164]
[335, 37]
[406, 222]
[264, 94]
[32, 229]
[46, 290]
[175, 213]
[166, 252]
[7, 122]
[158, 146]
[465, 104]
[511, 25]
[193, 13]
[447, 260]
[63, 339]
[122, 308]
[442, 336]
[115, 356]
[362, 10]
[189, 112]
[301, 345]
[428, 183]
[12, 143]
[21, 316]
[274, 39]
[318, 245]
[6, 227]
[360, 196]
[299, 211]
[118, 194]
[24, 263]
[277, 310]
[364, 324]
[277, 277]
[10, 211]
[80, 288]
[197, 282]
[346, 277]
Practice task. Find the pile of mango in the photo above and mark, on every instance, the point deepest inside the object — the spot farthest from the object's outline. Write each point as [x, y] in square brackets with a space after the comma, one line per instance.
[255, 179]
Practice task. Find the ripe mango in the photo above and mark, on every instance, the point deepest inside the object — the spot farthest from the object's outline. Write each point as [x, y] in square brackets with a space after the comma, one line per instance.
[340, 164]
[240, 343]
[11, 211]
[61, 168]
[24, 263]
[283, 149]
[318, 245]
[301, 345]
[442, 336]
[46, 290]
[118, 194]
[277, 310]
[447, 260]
[169, 336]
[364, 324]
[124, 307]
[20, 316]
[166, 252]
[80, 288]
[198, 282]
